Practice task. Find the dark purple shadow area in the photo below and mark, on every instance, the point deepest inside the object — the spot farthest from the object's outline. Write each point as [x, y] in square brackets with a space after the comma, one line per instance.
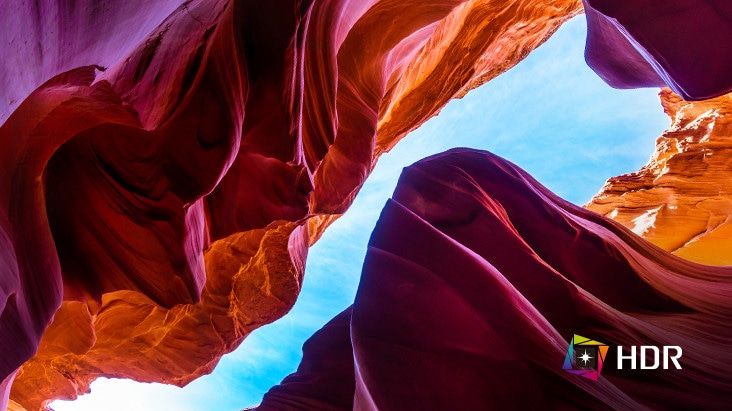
[476, 278]
[685, 44]
[325, 378]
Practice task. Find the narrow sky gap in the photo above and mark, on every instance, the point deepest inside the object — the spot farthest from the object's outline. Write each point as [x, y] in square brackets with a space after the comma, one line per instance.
[551, 115]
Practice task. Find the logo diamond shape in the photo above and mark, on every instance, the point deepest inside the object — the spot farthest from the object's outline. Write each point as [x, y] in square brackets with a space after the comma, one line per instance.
[585, 357]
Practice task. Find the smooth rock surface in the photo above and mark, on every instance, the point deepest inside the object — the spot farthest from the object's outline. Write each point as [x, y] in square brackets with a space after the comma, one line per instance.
[464, 304]
[163, 163]
[683, 44]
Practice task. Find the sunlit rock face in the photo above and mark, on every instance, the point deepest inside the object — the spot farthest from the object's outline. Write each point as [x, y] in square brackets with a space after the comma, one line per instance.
[165, 165]
[682, 199]
[475, 279]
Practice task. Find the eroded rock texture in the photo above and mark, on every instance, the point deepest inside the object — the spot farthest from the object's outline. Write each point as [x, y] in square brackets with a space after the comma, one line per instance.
[165, 165]
[484, 323]
[682, 199]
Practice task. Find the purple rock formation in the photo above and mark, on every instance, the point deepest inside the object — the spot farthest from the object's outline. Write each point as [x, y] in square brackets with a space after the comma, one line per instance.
[475, 280]
[682, 43]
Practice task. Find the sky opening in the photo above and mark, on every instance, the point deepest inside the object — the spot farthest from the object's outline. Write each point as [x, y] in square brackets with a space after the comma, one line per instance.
[551, 115]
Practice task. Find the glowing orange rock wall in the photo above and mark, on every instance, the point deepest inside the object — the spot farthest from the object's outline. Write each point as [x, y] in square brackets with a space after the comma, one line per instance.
[173, 188]
[682, 199]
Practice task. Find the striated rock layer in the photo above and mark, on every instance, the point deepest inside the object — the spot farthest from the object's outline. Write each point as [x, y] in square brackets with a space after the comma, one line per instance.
[682, 199]
[464, 304]
[165, 165]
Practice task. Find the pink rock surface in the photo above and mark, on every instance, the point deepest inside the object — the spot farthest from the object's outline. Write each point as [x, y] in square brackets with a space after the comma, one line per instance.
[163, 163]
[475, 280]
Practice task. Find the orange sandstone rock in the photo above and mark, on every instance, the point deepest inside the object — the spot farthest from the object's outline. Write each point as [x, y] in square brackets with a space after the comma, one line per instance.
[682, 199]
[176, 189]
[253, 280]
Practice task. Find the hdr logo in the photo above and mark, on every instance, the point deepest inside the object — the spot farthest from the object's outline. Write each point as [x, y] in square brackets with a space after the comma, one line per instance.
[585, 357]
[670, 352]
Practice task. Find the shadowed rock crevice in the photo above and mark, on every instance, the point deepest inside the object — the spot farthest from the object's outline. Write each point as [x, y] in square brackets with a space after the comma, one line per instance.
[166, 165]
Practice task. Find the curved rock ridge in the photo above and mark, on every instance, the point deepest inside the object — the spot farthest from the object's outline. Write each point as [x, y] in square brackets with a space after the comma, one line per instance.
[464, 304]
[678, 43]
[165, 165]
[682, 199]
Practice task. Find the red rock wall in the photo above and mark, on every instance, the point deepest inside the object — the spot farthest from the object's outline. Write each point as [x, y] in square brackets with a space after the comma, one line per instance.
[160, 184]
[165, 165]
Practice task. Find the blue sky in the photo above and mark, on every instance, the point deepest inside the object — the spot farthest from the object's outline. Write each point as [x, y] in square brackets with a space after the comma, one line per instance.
[551, 115]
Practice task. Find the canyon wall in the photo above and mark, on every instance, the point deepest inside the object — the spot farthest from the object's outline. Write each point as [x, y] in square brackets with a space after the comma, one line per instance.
[682, 199]
[461, 292]
[166, 165]
[161, 185]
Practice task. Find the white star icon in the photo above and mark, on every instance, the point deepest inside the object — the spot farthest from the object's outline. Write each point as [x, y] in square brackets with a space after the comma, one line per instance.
[585, 357]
